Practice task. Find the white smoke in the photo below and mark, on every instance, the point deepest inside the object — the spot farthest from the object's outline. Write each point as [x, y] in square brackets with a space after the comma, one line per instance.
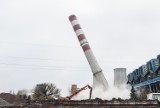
[122, 92]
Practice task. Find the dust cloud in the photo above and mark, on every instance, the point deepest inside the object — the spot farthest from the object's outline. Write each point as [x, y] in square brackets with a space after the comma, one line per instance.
[122, 92]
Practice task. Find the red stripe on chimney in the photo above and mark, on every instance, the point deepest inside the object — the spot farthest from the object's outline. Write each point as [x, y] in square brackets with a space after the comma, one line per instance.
[81, 37]
[86, 47]
[72, 17]
[76, 27]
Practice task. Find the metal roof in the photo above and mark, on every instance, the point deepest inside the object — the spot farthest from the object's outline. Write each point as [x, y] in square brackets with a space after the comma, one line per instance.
[150, 81]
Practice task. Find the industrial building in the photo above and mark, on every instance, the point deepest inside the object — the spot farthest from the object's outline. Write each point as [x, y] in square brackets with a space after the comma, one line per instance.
[120, 77]
[146, 78]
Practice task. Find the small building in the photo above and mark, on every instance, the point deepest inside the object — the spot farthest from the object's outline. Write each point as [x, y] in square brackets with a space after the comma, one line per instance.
[73, 88]
[146, 79]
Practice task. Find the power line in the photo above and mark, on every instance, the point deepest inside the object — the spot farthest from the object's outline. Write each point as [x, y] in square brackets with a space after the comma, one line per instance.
[21, 66]
[60, 69]
[14, 57]
[37, 44]
[39, 67]
[42, 66]
[51, 59]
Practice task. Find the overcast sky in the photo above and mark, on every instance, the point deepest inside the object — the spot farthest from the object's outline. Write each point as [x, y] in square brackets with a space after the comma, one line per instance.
[38, 44]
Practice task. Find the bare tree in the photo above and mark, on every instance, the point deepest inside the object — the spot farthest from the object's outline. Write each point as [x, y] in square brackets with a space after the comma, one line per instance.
[46, 91]
[133, 94]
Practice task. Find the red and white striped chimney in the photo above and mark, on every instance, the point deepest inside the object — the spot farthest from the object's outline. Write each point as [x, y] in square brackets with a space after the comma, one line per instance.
[98, 77]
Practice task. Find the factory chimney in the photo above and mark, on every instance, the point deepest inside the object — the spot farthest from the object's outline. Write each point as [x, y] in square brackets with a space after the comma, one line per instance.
[98, 77]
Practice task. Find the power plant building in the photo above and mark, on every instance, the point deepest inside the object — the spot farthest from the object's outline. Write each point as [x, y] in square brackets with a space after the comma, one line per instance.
[120, 77]
[146, 78]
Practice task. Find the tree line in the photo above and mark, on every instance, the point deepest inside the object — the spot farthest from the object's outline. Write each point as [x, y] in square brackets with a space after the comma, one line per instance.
[42, 91]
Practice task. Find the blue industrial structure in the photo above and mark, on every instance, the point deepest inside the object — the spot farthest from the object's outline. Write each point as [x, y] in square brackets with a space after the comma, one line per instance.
[147, 77]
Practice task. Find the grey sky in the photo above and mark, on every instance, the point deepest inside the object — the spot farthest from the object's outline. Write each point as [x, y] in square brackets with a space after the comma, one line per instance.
[38, 44]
